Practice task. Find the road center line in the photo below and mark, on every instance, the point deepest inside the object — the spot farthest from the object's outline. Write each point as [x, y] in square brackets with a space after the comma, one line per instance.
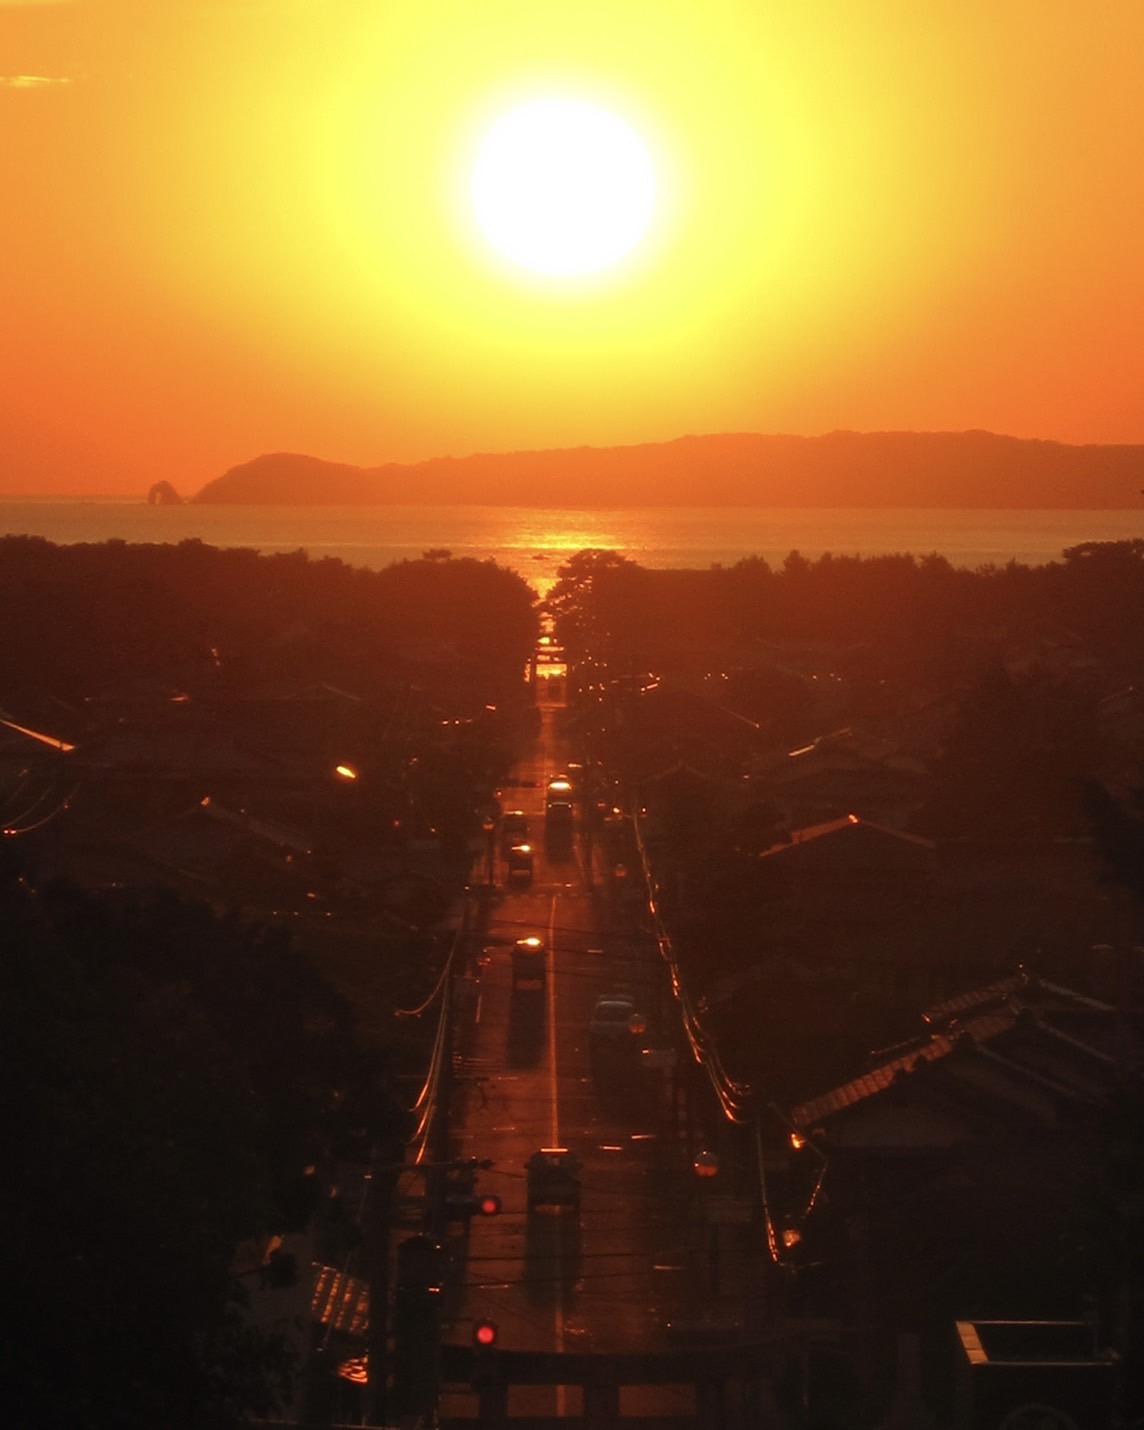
[553, 1081]
[554, 1128]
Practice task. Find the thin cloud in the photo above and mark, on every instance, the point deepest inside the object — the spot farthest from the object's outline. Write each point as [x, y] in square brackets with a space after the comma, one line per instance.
[31, 81]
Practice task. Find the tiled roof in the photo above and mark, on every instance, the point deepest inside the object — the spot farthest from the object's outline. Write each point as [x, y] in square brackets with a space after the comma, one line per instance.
[956, 1007]
[807, 1114]
[835, 827]
[682, 771]
[22, 739]
[1013, 1042]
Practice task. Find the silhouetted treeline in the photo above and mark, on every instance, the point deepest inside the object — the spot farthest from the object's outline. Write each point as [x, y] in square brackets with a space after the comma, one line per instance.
[170, 1077]
[900, 606]
[81, 618]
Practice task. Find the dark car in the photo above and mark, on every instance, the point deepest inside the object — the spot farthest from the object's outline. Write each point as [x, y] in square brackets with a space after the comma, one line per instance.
[528, 957]
[554, 1180]
[513, 827]
[520, 864]
[558, 807]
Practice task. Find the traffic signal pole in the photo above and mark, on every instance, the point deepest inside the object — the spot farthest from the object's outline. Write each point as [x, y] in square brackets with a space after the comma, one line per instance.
[384, 1172]
[486, 1379]
[418, 1306]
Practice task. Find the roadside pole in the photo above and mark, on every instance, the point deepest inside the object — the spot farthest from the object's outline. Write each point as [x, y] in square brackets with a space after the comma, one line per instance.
[439, 1134]
[386, 1165]
[384, 1172]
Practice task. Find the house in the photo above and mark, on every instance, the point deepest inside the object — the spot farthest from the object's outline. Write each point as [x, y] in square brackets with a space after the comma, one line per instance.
[822, 884]
[663, 725]
[969, 1169]
[845, 770]
[814, 950]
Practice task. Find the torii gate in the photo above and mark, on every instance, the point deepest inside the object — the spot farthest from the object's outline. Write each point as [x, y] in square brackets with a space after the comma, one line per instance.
[732, 1383]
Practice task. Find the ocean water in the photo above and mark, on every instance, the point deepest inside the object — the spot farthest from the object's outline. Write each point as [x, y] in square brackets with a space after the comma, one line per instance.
[535, 541]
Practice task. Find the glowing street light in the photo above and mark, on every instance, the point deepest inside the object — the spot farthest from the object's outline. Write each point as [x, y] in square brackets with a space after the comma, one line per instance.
[345, 772]
[489, 825]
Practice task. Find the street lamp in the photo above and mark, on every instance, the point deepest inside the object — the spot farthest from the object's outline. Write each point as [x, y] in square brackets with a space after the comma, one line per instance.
[489, 825]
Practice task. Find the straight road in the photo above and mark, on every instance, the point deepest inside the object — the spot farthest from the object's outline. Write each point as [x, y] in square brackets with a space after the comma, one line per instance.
[610, 1279]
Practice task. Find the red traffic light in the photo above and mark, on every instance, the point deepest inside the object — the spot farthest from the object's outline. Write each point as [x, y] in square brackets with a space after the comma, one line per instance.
[485, 1333]
[470, 1204]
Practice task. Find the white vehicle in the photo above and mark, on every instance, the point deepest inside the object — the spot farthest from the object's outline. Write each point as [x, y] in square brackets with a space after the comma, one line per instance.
[615, 1020]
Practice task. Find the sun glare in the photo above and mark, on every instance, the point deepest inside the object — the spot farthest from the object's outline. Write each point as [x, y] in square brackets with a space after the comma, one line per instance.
[562, 187]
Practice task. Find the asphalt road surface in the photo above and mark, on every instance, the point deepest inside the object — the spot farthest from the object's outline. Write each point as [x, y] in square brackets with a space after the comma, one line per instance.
[610, 1278]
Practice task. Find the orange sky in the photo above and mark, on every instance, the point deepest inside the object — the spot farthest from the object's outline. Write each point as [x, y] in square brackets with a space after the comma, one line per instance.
[236, 226]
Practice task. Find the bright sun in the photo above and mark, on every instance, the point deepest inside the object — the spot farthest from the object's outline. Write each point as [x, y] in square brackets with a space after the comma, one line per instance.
[562, 187]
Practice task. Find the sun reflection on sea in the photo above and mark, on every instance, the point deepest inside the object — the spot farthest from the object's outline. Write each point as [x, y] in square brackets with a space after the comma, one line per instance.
[574, 535]
[551, 540]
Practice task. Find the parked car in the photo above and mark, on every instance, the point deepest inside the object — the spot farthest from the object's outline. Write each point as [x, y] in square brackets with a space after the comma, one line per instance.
[528, 955]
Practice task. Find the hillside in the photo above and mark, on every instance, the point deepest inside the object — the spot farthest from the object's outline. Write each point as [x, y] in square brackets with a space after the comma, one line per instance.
[840, 469]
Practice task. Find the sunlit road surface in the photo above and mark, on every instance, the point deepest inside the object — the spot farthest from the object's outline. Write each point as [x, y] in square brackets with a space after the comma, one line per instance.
[611, 1278]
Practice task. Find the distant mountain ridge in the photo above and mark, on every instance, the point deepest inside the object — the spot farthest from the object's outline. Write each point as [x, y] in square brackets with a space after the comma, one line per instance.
[840, 469]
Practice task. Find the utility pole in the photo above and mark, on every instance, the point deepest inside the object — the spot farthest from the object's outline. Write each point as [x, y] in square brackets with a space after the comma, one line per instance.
[385, 1168]
[383, 1182]
[439, 1130]
[417, 1328]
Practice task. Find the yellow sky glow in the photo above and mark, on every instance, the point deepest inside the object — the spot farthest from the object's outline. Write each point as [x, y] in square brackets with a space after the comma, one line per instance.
[249, 226]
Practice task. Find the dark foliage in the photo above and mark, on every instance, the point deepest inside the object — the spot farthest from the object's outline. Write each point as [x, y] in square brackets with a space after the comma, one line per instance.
[79, 619]
[905, 612]
[1118, 828]
[168, 1075]
[1016, 760]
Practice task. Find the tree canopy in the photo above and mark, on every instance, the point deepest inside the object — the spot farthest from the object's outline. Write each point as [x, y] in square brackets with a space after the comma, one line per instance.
[83, 617]
[169, 1075]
